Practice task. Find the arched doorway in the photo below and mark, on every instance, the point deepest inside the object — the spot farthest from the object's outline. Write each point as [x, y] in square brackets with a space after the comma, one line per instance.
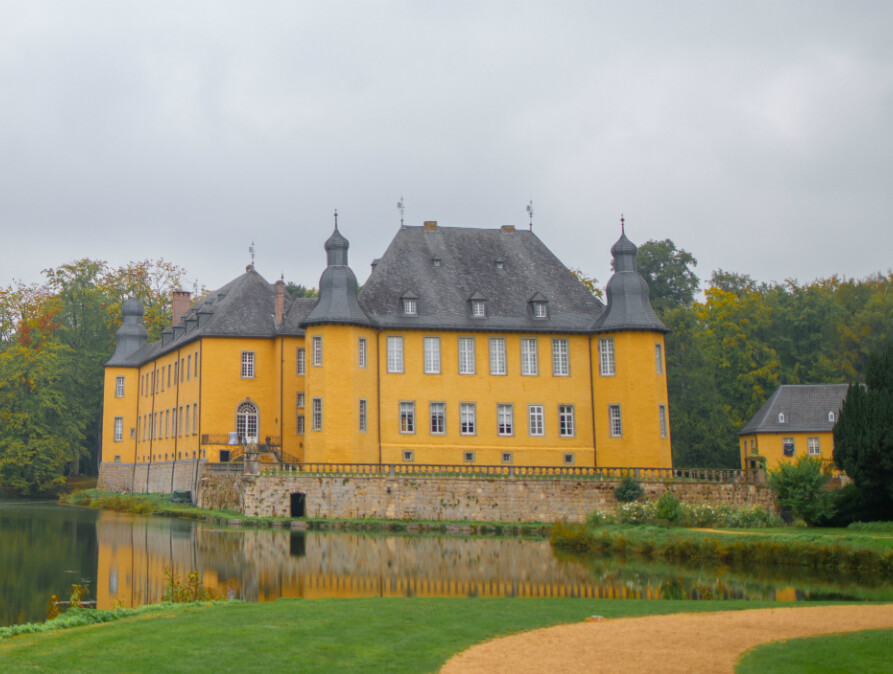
[246, 422]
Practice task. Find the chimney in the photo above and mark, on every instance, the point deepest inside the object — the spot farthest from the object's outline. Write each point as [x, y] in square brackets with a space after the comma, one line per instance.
[180, 302]
[508, 228]
[430, 225]
[279, 300]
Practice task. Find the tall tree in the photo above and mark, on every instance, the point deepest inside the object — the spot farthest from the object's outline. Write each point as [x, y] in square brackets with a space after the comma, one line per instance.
[669, 273]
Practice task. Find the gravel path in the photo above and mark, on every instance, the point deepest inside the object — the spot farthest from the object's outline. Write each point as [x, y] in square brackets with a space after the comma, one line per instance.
[682, 642]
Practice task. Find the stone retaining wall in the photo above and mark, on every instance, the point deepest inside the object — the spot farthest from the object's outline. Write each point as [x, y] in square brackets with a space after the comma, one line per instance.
[163, 477]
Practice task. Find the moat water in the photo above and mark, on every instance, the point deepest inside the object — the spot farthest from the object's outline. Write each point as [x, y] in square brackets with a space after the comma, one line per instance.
[123, 559]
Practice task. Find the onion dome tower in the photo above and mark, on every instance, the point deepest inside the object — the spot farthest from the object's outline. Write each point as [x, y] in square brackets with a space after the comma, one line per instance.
[132, 334]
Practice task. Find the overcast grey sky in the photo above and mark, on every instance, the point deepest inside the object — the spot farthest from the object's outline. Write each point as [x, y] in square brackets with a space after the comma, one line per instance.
[757, 135]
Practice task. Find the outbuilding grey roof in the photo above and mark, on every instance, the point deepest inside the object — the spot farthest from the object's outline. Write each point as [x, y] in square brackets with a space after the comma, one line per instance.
[804, 407]
[446, 268]
[627, 292]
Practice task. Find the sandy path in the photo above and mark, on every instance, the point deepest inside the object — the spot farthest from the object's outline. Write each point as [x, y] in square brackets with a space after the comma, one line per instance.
[684, 642]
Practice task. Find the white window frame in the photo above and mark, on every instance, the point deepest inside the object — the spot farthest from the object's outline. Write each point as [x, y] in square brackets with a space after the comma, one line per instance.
[119, 429]
[567, 422]
[497, 356]
[316, 414]
[814, 445]
[540, 310]
[119, 386]
[437, 418]
[316, 351]
[607, 366]
[466, 355]
[247, 421]
[361, 352]
[536, 420]
[248, 365]
[300, 400]
[788, 440]
[508, 457]
[659, 358]
[395, 354]
[301, 361]
[195, 418]
[431, 347]
[561, 357]
[363, 420]
[410, 306]
[529, 357]
[407, 417]
[662, 420]
[478, 308]
[408, 455]
[615, 421]
[467, 419]
[505, 419]
[299, 426]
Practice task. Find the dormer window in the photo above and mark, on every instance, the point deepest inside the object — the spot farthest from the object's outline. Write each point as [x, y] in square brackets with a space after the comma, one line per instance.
[500, 264]
[410, 306]
[781, 417]
[540, 310]
[435, 261]
[478, 308]
[831, 417]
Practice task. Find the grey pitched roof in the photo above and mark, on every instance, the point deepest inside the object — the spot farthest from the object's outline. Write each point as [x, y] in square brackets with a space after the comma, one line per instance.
[627, 292]
[805, 408]
[468, 269]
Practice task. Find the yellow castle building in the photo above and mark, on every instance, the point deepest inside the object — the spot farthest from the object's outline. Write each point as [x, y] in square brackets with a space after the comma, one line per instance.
[464, 346]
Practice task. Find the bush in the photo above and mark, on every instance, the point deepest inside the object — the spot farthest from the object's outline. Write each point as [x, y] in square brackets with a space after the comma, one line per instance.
[669, 508]
[628, 490]
[800, 486]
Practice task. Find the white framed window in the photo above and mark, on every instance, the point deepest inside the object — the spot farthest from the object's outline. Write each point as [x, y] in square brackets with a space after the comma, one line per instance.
[300, 424]
[195, 373]
[478, 308]
[363, 423]
[540, 310]
[407, 417]
[529, 366]
[195, 418]
[189, 367]
[119, 387]
[167, 423]
[248, 365]
[180, 426]
[408, 455]
[246, 422]
[437, 415]
[466, 355]
[615, 422]
[119, 429]
[535, 420]
[186, 420]
[299, 400]
[468, 457]
[174, 422]
[781, 417]
[432, 355]
[566, 425]
[301, 360]
[316, 414]
[410, 306]
[395, 354]
[507, 457]
[505, 419]
[787, 446]
[659, 358]
[814, 446]
[662, 419]
[361, 352]
[467, 418]
[831, 417]
[497, 355]
[316, 351]
[560, 358]
[606, 357]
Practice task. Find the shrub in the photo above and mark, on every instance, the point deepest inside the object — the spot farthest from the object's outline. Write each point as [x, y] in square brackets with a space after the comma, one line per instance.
[669, 508]
[800, 486]
[597, 518]
[628, 490]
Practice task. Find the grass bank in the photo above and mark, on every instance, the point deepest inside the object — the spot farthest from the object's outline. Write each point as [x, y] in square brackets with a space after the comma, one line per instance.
[863, 652]
[842, 549]
[300, 635]
[160, 504]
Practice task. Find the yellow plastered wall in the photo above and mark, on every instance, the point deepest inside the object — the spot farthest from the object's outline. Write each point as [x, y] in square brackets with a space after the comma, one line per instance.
[340, 383]
[639, 390]
[486, 391]
[293, 443]
[771, 447]
[124, 407]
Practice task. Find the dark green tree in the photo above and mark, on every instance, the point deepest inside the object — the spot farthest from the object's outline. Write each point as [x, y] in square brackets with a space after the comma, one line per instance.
[668, 271]
[297, 290]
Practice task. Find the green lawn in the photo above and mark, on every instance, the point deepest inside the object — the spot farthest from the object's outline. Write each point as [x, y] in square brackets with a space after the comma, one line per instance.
[299, 635]
[865, 652]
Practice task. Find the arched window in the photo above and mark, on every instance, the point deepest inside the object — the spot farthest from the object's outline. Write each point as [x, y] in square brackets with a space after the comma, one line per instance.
[781, 417]
[246, 422]
[831, 417]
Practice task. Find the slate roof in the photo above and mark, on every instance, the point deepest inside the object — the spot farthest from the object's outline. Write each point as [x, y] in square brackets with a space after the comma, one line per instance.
[805, 408]
[446, 267]
[337, 289]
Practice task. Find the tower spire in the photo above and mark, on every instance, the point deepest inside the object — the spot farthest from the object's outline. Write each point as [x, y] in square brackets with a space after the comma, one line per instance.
[622, 224]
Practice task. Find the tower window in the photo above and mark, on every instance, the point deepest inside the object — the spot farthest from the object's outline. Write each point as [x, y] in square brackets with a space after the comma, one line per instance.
[615, 429]
[606, 356]
[248, 365]
[316, 354]
[119, 387]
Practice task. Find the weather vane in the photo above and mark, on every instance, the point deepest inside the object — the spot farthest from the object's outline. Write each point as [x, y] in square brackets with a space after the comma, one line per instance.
[251, 252]
[530, 213]
[336, 218]
[400, 207]
[622, 224]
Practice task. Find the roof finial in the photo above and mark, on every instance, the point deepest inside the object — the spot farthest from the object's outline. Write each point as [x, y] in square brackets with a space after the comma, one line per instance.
[400, 207]
[622, 225]
[251, 252]
[336, 219]
[530, 213]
